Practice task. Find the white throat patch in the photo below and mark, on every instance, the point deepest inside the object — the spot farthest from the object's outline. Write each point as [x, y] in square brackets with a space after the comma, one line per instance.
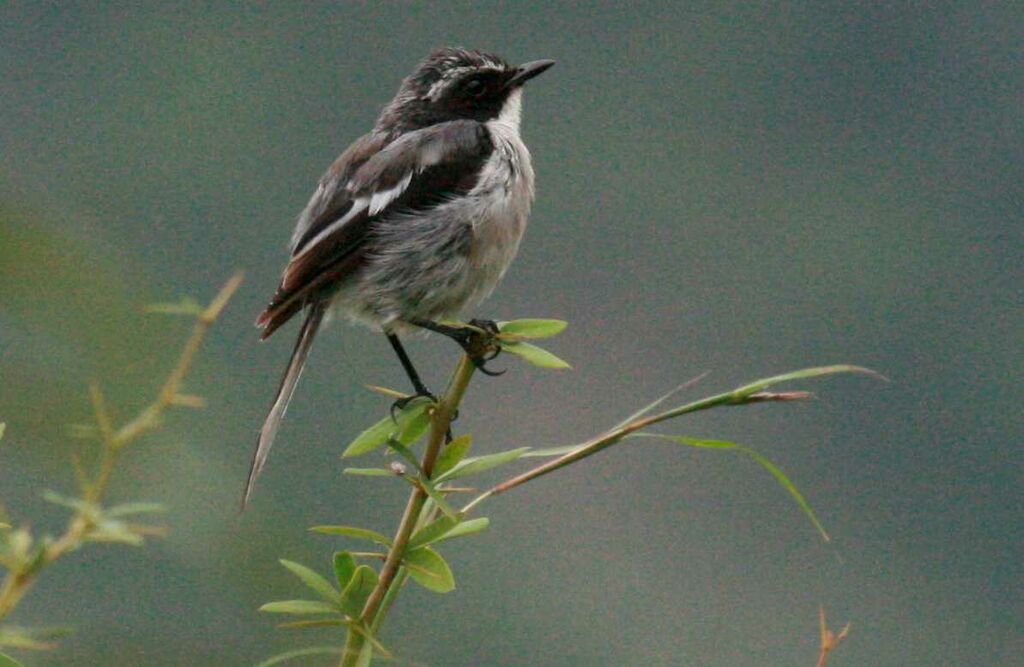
[512, 111]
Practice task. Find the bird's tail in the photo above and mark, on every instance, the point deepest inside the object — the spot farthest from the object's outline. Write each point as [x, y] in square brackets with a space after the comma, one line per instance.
[284, 394]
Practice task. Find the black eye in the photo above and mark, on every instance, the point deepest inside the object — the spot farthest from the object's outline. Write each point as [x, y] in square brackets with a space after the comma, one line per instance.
[476, 87]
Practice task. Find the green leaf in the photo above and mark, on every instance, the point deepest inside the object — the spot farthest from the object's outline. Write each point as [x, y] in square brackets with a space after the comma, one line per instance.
[405, 423]
[452, 454]
[299, 607]
[403, 451]
[415, 426]
[470, 527]
[8, 661]
[763, 461]
[816, 371]
[429, 570]
[477, 464]
[437, 497]
[361, 629]
[369, 472]
[551, 451]
[128, 509]
[365, 655]
[315, 581]
[3, 427]
[312, 623]
[446, 528]
[537, 356]
[359, 588]
[432, 531]
[532, 328]
[300, 653]
[32, 639]
[344, 567]
[351, 531]
[186, 306]
[76, 504]
[658, 401]
[113, 530]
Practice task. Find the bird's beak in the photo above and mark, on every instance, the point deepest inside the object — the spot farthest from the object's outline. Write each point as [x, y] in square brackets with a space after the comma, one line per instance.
[527, 71]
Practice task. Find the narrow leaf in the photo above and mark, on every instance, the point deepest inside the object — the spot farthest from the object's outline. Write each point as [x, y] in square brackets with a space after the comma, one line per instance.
[73, 503]
[344, 567]
[403, 451]
[312, 623]
[452, 454]
[359, 588]
[386, 391]
[436, 496]
[128, 509]
[298, 607]
[763, 461]
[816, 371]
[186, 306]
[537, 356]
[470, 527]
[315, 581]
[387, 428]
[432, 531]
[8, 661]
[532, 328]
[365, 655]
[351, 531]
[369, 472]
[551, 451]
[478, 464]
[658, 401]
[300, 653]
[113, 530]
[413, 428]
[361, 629]
[3, 427]
[429, 569]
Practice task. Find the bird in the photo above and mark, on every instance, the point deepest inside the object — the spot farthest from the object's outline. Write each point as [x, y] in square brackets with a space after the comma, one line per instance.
[416, 221]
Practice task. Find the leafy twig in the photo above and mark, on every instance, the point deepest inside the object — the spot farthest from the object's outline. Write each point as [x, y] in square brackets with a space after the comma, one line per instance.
[89, 521]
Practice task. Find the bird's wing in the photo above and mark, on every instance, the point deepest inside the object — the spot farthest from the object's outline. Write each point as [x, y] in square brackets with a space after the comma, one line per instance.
[417, 171]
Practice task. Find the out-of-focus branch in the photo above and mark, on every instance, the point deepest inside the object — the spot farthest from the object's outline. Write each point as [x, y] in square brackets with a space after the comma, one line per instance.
[114, 440]
[829, 639]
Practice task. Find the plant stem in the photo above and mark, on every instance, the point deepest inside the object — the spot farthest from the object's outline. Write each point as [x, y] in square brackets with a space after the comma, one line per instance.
[17, 583]
[607, 439]
[745, 395]
[380, 599]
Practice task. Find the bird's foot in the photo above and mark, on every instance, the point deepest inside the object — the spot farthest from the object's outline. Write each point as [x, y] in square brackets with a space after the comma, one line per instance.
[478, 340]
[403, 403]
[484, 347]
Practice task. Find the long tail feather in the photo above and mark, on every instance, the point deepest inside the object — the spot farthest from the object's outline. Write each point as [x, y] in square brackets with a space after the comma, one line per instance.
[284, 395]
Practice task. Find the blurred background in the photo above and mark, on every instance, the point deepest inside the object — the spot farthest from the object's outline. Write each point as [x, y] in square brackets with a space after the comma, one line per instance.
[739, 188]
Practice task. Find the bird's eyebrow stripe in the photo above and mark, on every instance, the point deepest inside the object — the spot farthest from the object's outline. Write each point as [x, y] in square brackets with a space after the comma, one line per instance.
[435, 89]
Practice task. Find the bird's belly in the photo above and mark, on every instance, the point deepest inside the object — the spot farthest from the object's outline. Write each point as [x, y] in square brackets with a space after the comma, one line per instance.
[433, 264]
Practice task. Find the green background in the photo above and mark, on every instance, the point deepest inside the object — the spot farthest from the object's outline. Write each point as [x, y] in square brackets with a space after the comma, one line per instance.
[740, 188]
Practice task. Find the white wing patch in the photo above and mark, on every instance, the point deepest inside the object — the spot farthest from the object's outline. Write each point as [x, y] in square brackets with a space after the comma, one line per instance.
[357, 208]
[380, 200]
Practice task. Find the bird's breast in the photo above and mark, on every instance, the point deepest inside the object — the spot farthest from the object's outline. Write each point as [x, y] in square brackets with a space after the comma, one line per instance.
[502, 196]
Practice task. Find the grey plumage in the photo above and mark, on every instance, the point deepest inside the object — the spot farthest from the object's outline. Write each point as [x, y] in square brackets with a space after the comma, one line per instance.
[417, 220]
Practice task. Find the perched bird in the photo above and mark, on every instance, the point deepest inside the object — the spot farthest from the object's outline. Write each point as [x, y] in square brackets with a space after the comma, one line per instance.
[416, 220]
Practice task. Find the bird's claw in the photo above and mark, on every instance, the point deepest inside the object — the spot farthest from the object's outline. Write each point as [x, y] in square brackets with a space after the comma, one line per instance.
[484, 348]
[402, 403]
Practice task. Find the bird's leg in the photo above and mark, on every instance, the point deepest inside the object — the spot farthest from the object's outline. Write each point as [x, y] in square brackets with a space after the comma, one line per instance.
[476, 340]
[410, 370]
[414, 377]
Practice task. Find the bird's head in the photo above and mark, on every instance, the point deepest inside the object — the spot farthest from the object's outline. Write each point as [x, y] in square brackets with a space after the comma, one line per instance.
[455, 83]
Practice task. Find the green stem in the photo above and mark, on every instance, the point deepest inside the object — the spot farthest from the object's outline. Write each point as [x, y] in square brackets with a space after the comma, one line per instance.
[380, 599]
[607, 439]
